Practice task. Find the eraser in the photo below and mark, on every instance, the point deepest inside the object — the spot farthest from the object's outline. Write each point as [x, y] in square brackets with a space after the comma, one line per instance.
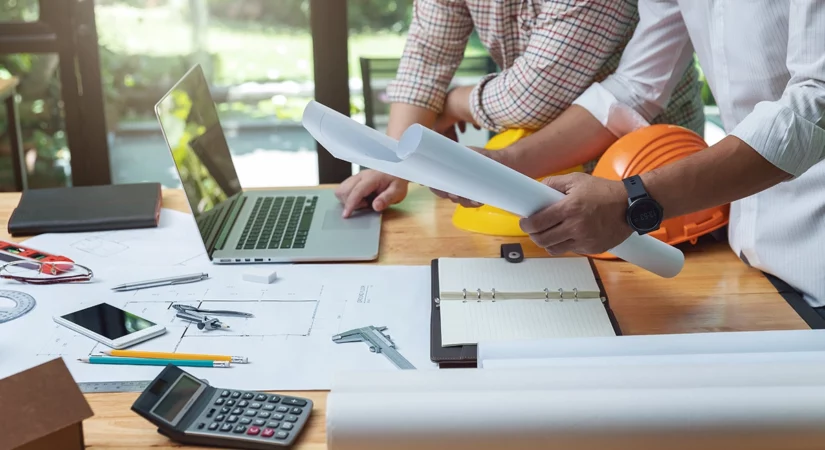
[260, 276]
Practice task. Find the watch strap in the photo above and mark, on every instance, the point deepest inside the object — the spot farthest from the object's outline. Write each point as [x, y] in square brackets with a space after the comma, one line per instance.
[635, 188]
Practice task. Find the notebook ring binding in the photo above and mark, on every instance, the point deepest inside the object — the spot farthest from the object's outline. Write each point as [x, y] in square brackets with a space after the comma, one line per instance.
[546, 295]
[494, 294]
[561, 294]
[479, 294]
[575, 294]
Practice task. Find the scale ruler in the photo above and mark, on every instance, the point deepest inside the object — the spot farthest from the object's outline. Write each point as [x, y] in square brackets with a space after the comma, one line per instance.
[96, 387]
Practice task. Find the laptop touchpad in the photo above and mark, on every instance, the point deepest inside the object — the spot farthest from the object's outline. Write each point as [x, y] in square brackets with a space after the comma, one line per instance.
[359, 220]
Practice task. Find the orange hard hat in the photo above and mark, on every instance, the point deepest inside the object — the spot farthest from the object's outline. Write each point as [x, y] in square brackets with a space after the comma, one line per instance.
[650, 148]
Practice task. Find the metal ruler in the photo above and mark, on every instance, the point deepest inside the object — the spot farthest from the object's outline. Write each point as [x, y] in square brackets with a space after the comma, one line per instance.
[23, 303]
[92, 387]
[378, 342]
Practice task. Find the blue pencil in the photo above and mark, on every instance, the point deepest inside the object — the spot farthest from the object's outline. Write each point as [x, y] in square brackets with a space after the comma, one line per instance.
[152, 362]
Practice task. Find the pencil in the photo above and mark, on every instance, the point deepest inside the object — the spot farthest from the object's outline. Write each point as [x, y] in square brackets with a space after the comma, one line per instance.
[165, 355]
[152, 362]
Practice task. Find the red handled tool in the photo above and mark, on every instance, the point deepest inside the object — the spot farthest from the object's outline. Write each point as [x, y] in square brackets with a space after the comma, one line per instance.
[9, 251]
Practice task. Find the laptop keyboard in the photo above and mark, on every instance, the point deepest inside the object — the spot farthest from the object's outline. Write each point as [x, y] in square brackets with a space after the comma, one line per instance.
[278, 222]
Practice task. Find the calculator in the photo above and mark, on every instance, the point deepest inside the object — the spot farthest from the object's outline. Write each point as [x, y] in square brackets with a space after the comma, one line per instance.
[189, 411]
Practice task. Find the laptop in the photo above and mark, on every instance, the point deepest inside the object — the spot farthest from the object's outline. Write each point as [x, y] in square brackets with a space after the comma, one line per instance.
[254, 226]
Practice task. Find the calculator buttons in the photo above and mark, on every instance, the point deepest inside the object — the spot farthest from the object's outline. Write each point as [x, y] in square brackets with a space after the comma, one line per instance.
[236, 394]
[259, 422]
[273, 424]
[225, 410]
[213, 426]
[260, 397]
[230, 403]
[211, 413]
[274, 399]
[201, 426]
[276, 416]
[281, 435]
[282, 409]
[296, 411]
[287, 426]
[255, 406]
[291, 418]
[263, 414]
[237, 411]
[294, 401]
[232, 419]
[226, 427]
[219, 418]
[224, 394]
[243, 403]
[268, 432]
[240, 429]
[269, 407]
[220, 401]
[250, 413]
[245, 421]
[248, 396]
[253, 431]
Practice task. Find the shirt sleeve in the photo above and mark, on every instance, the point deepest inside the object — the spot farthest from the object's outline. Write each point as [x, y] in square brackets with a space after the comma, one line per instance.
[650, 69]
[438, 36]
[569, 47]
[790, 132]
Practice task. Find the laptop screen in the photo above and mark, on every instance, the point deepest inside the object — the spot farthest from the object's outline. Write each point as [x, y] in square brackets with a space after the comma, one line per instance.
[189, 121]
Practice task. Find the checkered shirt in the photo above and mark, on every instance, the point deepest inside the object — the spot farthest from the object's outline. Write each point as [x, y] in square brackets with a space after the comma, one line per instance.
[549, 52]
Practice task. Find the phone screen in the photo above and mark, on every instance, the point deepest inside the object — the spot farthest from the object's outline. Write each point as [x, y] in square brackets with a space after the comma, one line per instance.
[108, 321]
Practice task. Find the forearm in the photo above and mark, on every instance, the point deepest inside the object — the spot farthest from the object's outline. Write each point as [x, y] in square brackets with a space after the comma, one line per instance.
[402, 115]
[728, 171]
[574, 138]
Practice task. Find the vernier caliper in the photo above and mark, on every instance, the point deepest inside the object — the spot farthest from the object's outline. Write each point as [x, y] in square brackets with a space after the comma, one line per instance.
[378, 342]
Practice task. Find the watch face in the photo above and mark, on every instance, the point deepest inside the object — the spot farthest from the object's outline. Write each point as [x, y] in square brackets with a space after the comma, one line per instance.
[644, 214]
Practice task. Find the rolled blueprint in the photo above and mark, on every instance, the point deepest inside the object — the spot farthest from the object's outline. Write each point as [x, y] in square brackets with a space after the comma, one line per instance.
[425, 157]
[599, 417]
[737, 342]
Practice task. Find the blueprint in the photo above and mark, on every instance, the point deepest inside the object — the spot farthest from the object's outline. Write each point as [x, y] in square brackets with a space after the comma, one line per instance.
[288, 341]
[175, 241]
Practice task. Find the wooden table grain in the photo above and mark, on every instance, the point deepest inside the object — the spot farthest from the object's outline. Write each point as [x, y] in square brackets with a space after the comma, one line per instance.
[714, 292]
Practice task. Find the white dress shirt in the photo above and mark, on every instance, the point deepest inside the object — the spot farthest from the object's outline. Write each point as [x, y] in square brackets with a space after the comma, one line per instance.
[765, 64]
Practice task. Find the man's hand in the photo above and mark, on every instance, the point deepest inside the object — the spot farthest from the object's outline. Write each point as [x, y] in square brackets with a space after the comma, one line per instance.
[589, 220]
[354, 190]
[456, 114]
[500, 156]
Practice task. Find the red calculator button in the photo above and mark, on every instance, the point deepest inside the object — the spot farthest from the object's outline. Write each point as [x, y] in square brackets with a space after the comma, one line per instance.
[268, 432]
[253, 430]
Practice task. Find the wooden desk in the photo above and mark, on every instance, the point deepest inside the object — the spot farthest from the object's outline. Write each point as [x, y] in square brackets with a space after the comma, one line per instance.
[8, 92]
[714, 292]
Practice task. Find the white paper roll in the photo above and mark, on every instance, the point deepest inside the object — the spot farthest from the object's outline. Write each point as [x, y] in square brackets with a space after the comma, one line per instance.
[782, 417]
[425, 157]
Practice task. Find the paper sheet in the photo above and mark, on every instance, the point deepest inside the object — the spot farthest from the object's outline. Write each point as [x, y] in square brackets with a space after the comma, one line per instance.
[667, 344]
[288, 342]
[175, 241]
[425, 157]
[609, 362]
[483, 409]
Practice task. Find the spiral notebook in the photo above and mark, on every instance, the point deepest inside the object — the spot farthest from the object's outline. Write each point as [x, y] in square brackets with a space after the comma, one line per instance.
[495, 299]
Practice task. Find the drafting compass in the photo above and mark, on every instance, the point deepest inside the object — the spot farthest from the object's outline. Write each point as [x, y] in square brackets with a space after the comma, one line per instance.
[378, 342]
[204, 322]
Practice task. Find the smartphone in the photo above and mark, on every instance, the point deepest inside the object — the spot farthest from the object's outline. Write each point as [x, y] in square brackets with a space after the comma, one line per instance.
[110, 325]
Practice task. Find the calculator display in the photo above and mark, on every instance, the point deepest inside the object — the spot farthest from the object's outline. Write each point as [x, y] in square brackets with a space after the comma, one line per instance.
[177, 397]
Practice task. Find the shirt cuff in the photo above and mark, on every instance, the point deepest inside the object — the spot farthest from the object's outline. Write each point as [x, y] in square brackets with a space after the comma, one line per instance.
[790, 142]
[417, 94]
[614, 115]
[477, 105]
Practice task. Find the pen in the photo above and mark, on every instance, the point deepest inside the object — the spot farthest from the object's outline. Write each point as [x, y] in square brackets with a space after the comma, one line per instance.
[152, 362]
[187, 356]
[191, 278]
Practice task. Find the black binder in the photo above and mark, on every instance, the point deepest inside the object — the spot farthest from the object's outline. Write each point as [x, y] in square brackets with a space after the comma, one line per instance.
[465, 356]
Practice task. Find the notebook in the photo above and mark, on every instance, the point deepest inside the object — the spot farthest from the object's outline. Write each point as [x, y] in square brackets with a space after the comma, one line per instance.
[86, 208]
[494, 299]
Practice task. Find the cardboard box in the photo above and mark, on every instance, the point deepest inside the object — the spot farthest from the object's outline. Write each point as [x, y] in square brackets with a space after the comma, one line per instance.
[42, 409]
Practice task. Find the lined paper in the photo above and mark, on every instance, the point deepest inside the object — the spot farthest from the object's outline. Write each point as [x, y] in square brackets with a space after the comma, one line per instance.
[469, 322]
[524, 280]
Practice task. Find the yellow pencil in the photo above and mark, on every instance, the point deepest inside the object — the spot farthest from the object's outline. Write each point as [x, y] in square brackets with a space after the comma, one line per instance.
[164, 355]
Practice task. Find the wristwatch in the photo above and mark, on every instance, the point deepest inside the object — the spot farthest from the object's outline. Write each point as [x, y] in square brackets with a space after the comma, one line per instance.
[643, 213]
